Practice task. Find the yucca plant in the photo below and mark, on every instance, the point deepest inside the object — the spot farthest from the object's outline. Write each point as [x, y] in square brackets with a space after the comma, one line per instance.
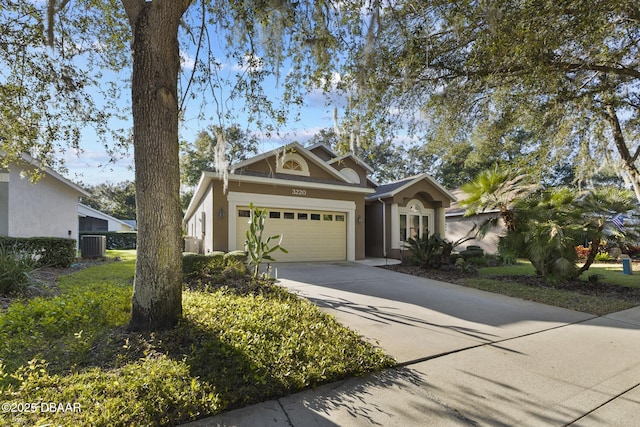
[258, 248]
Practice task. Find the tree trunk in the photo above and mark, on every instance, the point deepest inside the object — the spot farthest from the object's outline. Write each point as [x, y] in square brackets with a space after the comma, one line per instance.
[628, 160]
[593, 251]
[157, 289]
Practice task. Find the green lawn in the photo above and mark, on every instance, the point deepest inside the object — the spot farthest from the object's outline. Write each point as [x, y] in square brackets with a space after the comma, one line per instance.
[229, 350]
[609, 273]
[571, 299]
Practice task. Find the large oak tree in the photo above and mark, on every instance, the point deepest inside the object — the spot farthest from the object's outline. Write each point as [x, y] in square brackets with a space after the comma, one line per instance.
[567, 72]
[87, 39]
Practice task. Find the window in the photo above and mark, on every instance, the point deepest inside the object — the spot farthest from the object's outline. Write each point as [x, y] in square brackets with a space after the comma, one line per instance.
[315, 217]
[340, 218]
[351, 175]
[274, 214]
[243, 213]
[414, 226]
[289, 215]
[425, 226]
[292, 165]
[302, 216]
[412, 221]
[327, 217]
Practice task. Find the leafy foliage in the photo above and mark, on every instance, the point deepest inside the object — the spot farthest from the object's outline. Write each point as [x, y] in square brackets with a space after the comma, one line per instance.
[229, 350]
[117, 200]
[201, 155]
[14, 271]
[544, 84]
[258, 248]
[44, 251]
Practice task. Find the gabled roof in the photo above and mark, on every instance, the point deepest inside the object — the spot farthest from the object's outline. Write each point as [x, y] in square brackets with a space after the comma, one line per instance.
[393, 188]
[53, 174]
[355, 158]
[296, 147]
[84, 210]
[324, 147]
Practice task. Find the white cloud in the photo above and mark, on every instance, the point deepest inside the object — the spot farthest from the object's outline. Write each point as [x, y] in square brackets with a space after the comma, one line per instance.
[186, 61]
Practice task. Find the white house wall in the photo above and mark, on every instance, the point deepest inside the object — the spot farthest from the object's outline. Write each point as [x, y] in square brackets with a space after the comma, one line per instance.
[46, 208]
[195, 225]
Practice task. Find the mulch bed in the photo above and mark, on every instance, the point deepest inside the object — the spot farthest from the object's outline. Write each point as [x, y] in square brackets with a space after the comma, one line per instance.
[456, 276]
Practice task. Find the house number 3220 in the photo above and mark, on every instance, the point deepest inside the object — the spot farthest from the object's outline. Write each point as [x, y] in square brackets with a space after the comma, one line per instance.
[298, 192]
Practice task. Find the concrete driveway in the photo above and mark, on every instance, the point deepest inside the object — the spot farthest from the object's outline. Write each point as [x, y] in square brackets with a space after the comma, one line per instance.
[467, 358]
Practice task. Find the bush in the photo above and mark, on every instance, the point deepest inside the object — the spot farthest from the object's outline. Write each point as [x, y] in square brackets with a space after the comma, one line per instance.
[44, 251]
[229, 265]
[603, 257]
[582, 252]
[240, 256]
[472, 252]
[426, 252]
[14, 271]
[116, 239]
[195, 264]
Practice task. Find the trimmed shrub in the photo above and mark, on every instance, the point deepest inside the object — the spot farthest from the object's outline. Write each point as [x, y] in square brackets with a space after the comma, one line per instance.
[472, 252]
[44, 251]
[194, 264]
[116, 239]
[14, 271]
[240, 256]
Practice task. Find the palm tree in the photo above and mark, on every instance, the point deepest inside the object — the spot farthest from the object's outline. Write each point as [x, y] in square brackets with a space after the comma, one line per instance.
[496, 189]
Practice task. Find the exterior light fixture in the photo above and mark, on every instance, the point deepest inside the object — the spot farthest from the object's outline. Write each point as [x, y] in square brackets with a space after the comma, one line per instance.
[359, 219]
[221, 213]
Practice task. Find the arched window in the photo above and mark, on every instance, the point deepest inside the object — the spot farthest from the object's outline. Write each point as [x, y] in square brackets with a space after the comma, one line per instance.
[351, 175]
[293, 164]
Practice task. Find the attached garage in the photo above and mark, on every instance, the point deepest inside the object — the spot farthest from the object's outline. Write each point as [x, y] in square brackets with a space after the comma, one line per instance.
[321, 204]
[308, 235]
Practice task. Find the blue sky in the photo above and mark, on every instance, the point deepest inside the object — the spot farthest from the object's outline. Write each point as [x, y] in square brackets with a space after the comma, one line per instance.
[94, 165]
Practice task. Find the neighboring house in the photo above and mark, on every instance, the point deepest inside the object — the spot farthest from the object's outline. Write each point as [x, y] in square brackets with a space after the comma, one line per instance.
[459, 226]
[93, 220]
[46, 208]
[325, 206]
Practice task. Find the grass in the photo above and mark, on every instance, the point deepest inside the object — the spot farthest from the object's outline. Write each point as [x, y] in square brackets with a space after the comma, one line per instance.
[228, 351]
[609, 273]
[489, 280]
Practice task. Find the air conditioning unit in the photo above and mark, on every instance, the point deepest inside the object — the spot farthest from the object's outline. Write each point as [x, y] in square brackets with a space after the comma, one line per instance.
[93, 246]
[193, 245]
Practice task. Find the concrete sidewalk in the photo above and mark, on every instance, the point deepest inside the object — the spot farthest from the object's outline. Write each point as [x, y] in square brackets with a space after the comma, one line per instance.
[468, 358]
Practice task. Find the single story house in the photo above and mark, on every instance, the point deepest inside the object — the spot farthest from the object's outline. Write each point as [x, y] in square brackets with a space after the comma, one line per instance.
[93, 220]
[46, 208]
[324, 206]
[459, 226]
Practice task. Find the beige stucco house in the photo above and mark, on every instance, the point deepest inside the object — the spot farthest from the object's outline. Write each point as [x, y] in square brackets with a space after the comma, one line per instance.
[46, 208]
[325, 206]
[459, 226]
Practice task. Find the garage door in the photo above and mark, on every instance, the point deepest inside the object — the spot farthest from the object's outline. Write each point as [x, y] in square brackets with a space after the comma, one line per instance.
[308, 235]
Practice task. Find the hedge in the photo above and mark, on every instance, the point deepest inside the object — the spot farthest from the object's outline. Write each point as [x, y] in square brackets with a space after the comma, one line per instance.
[115, 239]
[45, 251]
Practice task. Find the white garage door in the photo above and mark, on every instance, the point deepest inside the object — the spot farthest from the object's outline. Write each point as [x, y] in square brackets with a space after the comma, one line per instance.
[308, 235]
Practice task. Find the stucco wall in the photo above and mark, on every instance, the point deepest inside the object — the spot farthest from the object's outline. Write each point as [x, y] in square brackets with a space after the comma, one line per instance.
[46, 208]
[459, 227]
[199, 229]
